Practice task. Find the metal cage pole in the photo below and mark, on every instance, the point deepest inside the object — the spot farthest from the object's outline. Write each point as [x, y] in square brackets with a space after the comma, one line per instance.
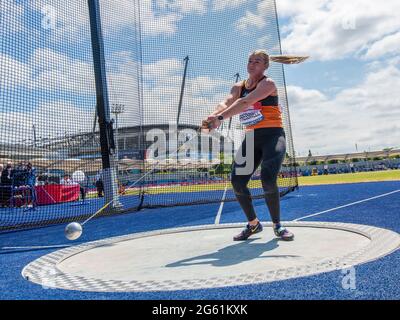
[107, 142]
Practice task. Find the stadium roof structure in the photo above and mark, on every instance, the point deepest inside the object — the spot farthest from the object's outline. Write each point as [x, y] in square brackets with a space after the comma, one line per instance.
[41, 147]
[73, 151]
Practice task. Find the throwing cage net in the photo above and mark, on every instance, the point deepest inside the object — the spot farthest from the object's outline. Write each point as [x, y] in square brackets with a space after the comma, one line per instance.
[102, 100]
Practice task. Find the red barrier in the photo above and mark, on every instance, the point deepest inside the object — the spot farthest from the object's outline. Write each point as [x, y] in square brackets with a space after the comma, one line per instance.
[56, 193]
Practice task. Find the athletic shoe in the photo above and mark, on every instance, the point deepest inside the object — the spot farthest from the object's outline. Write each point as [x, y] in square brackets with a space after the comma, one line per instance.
[284, 233]
[248, 231]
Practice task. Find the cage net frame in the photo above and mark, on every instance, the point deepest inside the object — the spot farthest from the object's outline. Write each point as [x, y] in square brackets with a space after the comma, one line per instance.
[161, 59]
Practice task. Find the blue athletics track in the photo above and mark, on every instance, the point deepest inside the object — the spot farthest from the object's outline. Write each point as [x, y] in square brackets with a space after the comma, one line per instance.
[375, 203]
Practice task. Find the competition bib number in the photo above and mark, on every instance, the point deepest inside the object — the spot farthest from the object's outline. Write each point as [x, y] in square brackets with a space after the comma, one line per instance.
[251, 117]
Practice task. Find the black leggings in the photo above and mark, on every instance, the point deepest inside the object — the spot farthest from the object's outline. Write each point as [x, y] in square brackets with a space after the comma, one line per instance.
[269, 150]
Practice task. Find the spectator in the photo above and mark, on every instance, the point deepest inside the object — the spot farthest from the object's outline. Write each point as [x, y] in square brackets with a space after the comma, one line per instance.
[6, 175]
[18, 175]
[66, 180]
[99, 184]
[31, 182]
[6, 184]
[82, 189]
[1, 187]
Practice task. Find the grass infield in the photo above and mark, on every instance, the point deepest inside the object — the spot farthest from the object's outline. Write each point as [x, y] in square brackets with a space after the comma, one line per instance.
[359, 177]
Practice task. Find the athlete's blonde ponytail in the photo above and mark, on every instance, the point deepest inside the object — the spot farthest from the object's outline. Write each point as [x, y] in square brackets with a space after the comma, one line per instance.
[285, 59]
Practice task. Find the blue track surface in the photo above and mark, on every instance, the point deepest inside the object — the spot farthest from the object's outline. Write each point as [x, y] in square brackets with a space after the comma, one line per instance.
[375, 280]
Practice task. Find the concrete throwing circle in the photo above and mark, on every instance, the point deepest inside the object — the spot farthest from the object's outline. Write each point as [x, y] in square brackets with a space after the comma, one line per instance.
[206, 257]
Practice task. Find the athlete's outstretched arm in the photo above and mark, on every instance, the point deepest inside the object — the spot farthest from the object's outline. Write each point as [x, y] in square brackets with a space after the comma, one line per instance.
[264, 89]
[228, 101]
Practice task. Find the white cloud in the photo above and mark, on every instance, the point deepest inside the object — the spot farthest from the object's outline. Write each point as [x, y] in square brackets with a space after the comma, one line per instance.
[187, 6]
[11, 17]
[287, 8]
[388, 45]
[250, 20]
[55, 71]
[51, 119]
[61, 116]
[162, 69]
[155, 23]
[70, 22]
[219, 5]
[162, 87]
[12, 72]
[264, 41]
[60, 76]
[332, 29]
[55, 77]
[298, 95]
[367, 114]
[157, 16]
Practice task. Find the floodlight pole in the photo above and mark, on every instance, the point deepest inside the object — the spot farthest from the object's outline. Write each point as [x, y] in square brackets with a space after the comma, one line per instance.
[117, 109]
[34, 135]
[180, 103]
[182, 90]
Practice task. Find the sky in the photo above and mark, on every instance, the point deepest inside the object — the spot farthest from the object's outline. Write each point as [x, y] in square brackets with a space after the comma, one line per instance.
[341, 100]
